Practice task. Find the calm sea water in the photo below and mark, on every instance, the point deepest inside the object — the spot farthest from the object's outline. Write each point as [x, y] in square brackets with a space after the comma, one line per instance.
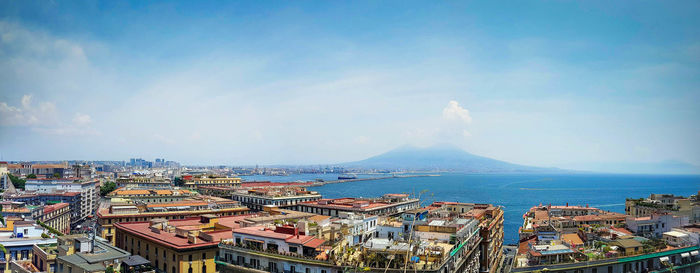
[515, 192]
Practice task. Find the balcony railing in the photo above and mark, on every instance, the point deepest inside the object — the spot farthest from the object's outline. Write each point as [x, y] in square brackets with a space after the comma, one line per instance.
[225, 244]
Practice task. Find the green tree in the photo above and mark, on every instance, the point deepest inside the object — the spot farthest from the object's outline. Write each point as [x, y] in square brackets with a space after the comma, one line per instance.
[31, 175]
[107, 187]
[17, 182]
[179, 182]
[57, 175]
[50, 229]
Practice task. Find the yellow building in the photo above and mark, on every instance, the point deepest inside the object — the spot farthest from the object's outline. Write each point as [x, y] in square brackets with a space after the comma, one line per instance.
[177, 246]
[108, 216]
[195, 182]
[56, 216]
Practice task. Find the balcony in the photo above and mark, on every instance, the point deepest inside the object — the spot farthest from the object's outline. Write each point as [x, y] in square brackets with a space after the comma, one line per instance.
[228, 244]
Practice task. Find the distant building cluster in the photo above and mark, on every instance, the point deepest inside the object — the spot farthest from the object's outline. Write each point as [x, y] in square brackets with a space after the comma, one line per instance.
[656, 234]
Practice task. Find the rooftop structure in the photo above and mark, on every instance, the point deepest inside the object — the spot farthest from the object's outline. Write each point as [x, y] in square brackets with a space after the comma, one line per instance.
[665, 204]
[109, 214]
[386, 205]
[80, 254]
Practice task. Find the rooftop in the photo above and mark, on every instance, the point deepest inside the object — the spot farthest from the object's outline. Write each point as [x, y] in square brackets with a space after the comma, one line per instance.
[209, 236]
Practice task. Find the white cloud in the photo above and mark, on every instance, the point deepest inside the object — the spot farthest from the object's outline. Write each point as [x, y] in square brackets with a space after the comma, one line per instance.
[26, 114]
[26, 101]
[82, 119]
[45, 119]
[455, 112]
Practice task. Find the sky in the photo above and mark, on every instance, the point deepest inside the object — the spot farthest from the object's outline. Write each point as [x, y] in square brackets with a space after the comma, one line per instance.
[543, 83]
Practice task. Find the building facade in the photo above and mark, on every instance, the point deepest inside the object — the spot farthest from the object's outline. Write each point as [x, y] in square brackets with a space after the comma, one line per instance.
[257, 198]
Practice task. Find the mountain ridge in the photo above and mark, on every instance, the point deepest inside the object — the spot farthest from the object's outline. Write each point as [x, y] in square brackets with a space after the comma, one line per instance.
[443, 157]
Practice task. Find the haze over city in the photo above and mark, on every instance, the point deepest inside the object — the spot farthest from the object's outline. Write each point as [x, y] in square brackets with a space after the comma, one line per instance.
[559, 84]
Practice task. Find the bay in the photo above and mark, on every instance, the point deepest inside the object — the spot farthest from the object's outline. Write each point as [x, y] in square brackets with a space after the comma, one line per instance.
[516, 193]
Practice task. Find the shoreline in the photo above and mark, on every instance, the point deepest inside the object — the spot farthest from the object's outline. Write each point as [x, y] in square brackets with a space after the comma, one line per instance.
[321, 183]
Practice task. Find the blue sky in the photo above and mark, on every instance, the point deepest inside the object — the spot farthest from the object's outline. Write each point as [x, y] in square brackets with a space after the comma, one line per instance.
[546, 83]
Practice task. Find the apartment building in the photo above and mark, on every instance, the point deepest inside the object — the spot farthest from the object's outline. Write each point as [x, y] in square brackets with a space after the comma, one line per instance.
[110, 214]
[56, 216]
[289, 197]
[388, 204]
[143, 182]
[89, 192]
[193, 182]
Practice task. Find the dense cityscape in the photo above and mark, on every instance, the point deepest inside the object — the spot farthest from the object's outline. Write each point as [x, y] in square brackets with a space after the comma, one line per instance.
[306, 136]
[143, 216]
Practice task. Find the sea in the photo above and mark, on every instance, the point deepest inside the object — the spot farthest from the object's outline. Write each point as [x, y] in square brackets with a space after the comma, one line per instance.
[515, 193]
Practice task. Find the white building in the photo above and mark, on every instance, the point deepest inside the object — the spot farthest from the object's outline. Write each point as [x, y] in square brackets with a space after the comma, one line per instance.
[655, 225]
[89, 191]
[361, 227]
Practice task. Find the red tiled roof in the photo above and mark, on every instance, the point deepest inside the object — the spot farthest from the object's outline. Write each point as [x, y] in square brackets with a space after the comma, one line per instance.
[50, 208]
[314, 243]
[309, 241]
[274, 184]
[176, 204]
[48, 166]
[143, 230]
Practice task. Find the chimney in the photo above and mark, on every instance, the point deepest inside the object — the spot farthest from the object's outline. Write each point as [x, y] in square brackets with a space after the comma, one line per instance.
[567, 204]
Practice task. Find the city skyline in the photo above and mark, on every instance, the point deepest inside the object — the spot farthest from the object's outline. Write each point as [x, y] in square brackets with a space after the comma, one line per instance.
[556, 85]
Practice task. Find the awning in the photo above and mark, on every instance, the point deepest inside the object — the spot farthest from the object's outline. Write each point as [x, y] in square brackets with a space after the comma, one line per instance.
[253, 240]
[685, 255]
[314, 243]
[694, 253]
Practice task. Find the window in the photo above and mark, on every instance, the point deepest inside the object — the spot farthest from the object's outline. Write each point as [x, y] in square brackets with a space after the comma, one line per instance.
[173, 257]
[204, 255]
[173, 271]
[190, 257]
[293, 249]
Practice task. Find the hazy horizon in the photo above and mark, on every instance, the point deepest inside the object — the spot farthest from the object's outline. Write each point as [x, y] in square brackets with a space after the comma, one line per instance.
[549, 84]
